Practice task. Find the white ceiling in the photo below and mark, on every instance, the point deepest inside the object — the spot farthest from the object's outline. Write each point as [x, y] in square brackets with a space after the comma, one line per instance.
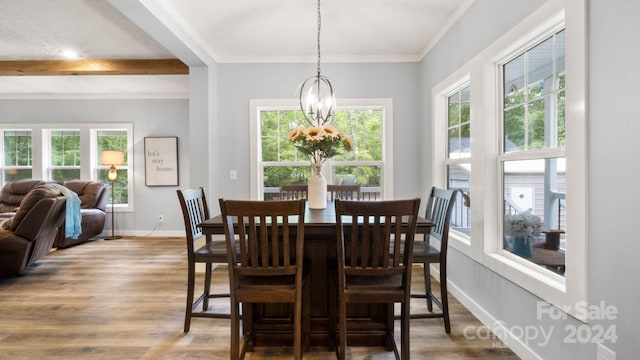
[229, 30]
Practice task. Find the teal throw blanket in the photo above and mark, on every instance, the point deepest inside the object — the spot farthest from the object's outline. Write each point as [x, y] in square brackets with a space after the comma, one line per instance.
[73, 219]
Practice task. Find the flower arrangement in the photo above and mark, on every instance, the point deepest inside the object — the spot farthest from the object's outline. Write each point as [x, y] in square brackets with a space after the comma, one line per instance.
[524, 224]
[319, 142]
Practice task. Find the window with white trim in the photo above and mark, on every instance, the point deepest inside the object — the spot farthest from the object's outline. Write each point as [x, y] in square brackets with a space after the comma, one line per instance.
[279, 163]
[458, 157]
[528, 139]
[17, 157]
[532, 159]
[113, 139]
[64, 154]
[57, 153]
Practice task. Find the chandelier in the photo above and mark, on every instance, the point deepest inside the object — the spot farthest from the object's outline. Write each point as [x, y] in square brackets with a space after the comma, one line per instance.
[317, 100]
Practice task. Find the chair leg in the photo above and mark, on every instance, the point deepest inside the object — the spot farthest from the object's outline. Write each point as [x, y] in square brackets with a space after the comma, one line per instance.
[235, 330]
[427, 285]
[342, 329]
[444, 297]
[297, 324]
[207, 286]
[191, 276]
[404, 330]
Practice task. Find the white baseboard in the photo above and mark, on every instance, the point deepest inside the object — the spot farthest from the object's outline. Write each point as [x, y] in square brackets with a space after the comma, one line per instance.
[147, 233]
[496, 325]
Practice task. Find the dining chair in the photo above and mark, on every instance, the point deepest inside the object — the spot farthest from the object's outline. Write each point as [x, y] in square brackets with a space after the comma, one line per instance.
[194, 211]
[293, 192]
[344, 192]
[372, 266]
[265, 248]
[439, 208]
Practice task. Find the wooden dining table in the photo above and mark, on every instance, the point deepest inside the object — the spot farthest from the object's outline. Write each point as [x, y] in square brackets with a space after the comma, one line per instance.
[365, 323]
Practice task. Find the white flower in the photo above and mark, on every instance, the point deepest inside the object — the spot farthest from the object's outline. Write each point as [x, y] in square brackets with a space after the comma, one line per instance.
[524, 224]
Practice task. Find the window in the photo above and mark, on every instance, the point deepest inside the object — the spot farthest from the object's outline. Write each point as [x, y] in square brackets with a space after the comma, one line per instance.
[280, 163]
[364, 164]
[64, 162]
[528, 140]
[36, 151]
[452, 151]
[17, 155]
[458, 160]
[113, 140]
[532, 159]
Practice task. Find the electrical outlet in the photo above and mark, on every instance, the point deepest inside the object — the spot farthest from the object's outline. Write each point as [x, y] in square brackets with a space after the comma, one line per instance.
[161, 218]
[233, 174]
[605, 353]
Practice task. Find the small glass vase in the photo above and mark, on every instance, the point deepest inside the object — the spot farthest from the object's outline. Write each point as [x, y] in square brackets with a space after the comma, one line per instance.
[317, 188]
[523, 246]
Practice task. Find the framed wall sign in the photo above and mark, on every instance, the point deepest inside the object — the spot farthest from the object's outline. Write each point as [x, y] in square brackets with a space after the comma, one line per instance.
[161, 161]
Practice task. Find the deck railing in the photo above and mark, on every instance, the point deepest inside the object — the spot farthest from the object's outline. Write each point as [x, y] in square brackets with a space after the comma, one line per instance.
[369, 193]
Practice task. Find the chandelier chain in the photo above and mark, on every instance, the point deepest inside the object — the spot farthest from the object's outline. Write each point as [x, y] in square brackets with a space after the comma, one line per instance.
[319, 26]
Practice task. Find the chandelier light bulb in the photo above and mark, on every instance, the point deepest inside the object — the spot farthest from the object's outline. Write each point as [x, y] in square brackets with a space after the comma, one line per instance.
[317, 100]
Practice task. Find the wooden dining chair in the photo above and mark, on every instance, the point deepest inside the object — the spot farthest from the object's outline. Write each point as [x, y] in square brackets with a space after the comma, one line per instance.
[265, 247]
[293, 192]
[194, 211]
[344, 192]
[372, 266]
[439, 208]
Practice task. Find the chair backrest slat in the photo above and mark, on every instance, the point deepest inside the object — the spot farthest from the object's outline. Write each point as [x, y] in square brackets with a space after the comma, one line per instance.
[344, 192]
[194, 211]
[267, 235]
[293, 192]
[439, 209]
[373, 246]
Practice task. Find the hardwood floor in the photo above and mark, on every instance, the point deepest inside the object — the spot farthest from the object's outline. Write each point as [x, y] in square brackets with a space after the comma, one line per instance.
[124, 299]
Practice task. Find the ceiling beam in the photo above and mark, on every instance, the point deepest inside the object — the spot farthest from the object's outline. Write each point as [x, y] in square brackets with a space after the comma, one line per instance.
[93, 67]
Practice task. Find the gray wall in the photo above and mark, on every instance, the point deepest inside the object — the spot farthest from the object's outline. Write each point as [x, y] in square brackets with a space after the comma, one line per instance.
[162, 117]
[614, 168]
[238, 83]
[613, 194]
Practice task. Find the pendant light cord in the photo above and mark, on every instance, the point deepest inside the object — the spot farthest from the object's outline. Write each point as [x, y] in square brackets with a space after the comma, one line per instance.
[319, 26]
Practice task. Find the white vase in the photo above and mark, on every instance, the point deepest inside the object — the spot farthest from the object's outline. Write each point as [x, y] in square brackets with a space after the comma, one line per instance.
[317, 188]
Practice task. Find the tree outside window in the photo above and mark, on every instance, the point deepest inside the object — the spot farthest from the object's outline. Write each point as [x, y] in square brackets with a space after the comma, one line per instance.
[64, 155]
[18, 155]
[458, 160]
[114, 140]
[533, 158]
[283, 164]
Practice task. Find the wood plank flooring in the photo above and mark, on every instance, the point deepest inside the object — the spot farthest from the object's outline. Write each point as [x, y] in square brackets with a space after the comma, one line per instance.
[124, 299]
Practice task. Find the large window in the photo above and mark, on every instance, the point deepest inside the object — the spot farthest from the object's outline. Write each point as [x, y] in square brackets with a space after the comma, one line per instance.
[532, 159]
[64, 155]
[458, 157]
[280, 163]
[17, 159]
[527, 129]
[114, 139]
[65, 152]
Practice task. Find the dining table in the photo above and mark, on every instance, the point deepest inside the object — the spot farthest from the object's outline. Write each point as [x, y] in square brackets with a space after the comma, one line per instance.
[366, 324]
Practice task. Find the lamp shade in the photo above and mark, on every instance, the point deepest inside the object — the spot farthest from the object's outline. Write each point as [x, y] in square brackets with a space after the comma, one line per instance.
[112, 157]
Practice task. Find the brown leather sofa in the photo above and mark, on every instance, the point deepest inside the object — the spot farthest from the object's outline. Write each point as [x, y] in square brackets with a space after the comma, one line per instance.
[13, 193]
[93, 208]
[29, 234]
[93, 204]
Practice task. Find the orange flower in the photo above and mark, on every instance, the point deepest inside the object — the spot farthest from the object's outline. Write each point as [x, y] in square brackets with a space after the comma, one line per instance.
[331, 131]
[295, 133]
[314, 133]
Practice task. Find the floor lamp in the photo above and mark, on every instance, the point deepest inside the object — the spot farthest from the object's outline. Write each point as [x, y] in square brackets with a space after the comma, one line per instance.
[112, 158]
